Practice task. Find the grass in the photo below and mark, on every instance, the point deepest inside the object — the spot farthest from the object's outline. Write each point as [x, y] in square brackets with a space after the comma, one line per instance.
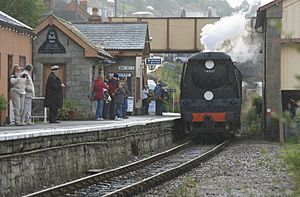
[291, 156]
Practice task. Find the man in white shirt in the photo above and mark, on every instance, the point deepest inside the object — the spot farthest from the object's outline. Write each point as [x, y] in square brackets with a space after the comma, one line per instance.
[145, 100]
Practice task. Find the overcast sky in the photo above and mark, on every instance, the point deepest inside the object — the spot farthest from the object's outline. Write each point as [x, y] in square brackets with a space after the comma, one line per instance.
[235, 3]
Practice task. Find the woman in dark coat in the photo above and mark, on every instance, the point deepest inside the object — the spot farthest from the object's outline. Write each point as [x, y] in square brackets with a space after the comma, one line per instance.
[54, 94]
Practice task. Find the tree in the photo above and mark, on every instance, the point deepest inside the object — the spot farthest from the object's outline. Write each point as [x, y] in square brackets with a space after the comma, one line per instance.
[29, 12]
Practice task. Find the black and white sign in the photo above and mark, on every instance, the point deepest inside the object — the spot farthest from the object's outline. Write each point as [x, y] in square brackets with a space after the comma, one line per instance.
[122, 75]
[52, 44]
[126, 67]
[153, 61]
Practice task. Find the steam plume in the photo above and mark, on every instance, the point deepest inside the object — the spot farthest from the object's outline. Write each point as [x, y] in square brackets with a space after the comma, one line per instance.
[231, 35]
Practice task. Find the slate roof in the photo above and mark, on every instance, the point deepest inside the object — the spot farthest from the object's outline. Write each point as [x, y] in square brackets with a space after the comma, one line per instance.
[14, 24]
[5, 18]
[73, 29]
[69, 15]
[116, 36]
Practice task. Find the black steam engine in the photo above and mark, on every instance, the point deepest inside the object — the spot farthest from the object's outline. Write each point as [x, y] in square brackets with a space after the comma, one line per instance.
[211, 95]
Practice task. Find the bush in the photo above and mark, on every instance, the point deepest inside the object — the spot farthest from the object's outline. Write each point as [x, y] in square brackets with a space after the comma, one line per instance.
[3, 102]
[67, 112]
[251, 115]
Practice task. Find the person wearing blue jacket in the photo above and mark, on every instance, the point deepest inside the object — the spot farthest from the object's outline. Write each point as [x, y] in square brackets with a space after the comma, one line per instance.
[159, 99]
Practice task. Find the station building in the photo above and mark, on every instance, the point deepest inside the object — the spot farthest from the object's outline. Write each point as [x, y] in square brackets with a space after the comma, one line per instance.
[15, 48]
[83, 55]
[129, 43]
[279, 23]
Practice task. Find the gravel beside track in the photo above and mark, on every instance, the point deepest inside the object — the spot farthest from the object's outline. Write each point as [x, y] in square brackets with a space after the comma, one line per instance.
[243, 169]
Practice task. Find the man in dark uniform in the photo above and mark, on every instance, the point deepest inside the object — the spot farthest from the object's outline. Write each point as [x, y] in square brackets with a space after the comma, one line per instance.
[54, 94]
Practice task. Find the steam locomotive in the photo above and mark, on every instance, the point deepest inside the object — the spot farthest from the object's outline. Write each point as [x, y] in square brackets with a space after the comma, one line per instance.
[211, 96]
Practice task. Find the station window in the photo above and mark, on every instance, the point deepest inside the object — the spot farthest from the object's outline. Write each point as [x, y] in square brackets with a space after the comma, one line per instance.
[10, 63]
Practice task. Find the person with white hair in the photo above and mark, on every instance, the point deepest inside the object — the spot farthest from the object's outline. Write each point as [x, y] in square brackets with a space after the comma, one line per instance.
[17, 93]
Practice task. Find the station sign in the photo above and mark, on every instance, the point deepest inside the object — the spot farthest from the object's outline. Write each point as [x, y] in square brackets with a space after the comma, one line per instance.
[153, 61]
[126, 67]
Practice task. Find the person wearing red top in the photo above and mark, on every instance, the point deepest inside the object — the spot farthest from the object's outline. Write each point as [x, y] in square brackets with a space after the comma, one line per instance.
[98, 88]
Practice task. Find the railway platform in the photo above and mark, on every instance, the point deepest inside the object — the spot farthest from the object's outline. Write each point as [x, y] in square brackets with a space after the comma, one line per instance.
[43, 155]
[40, 129]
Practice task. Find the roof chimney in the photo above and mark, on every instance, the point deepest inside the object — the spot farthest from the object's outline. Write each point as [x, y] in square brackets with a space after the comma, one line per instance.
[84, 4]
[95, 18]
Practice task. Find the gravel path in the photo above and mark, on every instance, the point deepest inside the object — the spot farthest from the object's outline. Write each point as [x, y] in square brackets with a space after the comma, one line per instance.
[243, 169]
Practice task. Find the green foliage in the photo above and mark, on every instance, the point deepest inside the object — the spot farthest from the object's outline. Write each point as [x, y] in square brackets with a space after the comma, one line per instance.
[291, 156]
[170, 74]
[29, 12]
[188, 189]
[68, 109]
[3, 102]
[251, 115]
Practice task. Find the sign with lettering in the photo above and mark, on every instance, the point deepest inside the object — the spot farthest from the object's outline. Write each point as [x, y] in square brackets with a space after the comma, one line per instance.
[122, 75]
[126, 67]
[52, 44]
[130, 104]
[153, 61]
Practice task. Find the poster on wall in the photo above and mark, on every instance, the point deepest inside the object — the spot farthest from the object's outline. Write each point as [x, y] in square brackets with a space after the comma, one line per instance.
[151, 108]
[130, 104]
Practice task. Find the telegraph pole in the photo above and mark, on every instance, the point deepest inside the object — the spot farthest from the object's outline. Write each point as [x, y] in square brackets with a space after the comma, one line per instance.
[116, 2]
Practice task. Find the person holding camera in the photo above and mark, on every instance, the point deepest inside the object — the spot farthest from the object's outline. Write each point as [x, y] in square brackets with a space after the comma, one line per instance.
[29, 89]
[17, 92]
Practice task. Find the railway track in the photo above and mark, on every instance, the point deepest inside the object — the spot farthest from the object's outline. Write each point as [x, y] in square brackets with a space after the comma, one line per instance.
[136, 177]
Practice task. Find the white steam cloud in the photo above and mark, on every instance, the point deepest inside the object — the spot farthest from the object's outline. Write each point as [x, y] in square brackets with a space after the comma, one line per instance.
[235, 3]
[232, 36]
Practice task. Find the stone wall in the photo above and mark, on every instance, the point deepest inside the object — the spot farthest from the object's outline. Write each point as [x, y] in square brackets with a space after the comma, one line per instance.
[273, 54]
[79, 70]
[29, 165]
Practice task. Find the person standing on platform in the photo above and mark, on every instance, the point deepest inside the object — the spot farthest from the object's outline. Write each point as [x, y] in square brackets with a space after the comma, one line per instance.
[159, 99]
[98, 89]
[113, 85]
[29, 88]
[145, 103]
[17, 93]
[119, 101]
[54, 94]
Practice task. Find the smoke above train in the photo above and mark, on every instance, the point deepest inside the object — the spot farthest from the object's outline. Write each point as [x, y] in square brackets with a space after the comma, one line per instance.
[232, 35]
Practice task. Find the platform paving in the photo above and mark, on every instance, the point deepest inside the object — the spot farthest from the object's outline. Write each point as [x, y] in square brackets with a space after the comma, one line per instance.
[68, 127]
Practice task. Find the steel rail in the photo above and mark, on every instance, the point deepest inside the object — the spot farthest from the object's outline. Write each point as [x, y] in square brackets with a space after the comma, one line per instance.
[167, 175]
[102, 176]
